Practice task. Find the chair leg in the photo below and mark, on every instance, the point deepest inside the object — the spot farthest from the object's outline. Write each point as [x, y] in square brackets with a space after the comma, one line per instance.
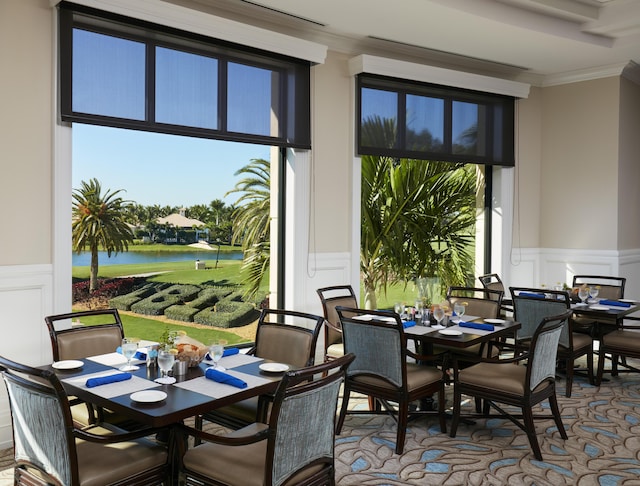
[569, 380]
[527, 416]
[403, 419]
[590, 367]
[457, 399]
[343, 409]
[557, 418]
[600, 367]
[614, 365]
[441, 414]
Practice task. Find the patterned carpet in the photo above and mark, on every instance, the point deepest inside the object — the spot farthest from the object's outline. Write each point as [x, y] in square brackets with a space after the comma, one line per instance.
[603, 448]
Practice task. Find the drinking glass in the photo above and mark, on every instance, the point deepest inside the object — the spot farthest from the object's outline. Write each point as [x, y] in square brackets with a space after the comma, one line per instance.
[398, 308]
[438, 313]
[583, 294]
[593, 292]
[215, 352]
[459, 308]
[165, 362]
[419, 310]
[129, 348]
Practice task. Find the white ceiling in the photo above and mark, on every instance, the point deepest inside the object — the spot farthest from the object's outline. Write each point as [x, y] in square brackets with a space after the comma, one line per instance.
[536, 41]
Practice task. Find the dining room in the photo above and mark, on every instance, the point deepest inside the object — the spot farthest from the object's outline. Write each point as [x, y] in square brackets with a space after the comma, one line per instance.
[567, 206]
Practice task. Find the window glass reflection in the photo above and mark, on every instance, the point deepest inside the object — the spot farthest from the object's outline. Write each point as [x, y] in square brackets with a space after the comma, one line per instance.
[379, 119]
[108, 75]
[466, 128]
[253, 102]
[186, 89]
[425, 123]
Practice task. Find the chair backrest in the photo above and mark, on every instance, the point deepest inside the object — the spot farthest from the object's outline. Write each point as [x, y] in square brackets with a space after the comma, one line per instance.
[303, 419]
[492, 281]
[332, 297]
[377, 340]
[531, 305]
[480, 302]
[610, 287]
[287, 336]
[101, 333]
[543, 351]
[41, 419]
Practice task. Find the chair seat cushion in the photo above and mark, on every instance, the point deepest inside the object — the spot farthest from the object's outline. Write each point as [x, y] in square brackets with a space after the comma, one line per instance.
[335, 350]
[581, 341]
[417, 377]
[503, 378]
[623, 339]
[235, 465]
[101, 464]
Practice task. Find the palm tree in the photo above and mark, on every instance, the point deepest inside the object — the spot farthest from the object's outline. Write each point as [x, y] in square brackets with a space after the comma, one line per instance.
[417, 216]
[252, 220]
[99, 222]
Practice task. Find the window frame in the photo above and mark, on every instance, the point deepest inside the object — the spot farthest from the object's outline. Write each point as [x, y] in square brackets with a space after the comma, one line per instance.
[503, 141]
[294, 118]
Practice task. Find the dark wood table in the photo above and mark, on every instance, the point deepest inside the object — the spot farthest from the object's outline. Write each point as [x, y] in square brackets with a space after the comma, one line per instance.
[469, 337]
[179, 404]
[614, 312]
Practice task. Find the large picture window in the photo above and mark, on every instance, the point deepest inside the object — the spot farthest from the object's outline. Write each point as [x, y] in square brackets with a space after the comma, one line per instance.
[406, 119]
[127, 73]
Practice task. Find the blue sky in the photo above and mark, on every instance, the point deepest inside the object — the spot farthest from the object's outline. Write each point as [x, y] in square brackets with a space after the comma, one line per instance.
[159, 169]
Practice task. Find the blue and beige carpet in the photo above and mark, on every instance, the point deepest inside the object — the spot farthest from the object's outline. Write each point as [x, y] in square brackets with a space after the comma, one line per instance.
[603, 448]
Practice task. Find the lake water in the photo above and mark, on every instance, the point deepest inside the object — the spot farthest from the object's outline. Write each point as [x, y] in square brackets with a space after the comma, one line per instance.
[132, 257]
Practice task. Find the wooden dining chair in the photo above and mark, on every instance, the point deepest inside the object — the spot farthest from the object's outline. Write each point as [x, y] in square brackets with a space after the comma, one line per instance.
[50, 450]
[492, 281]
[609, 288]
[283, 336]
[332, 297]
[621, 343]
[530, 306]
[511, 382]
[296, 445]
[100, 333]
[381, 369]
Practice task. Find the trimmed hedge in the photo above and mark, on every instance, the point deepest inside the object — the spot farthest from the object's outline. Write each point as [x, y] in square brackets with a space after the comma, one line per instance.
[227, 314]
[156, 304]
[183, 292]
[181, 312]
[124, 302]
[208, 297]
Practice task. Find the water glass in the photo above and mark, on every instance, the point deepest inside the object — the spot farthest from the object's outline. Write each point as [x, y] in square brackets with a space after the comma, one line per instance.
[216, 349]
[460, 308]
[438, 313]
[129, 348]
[165, 362]
[593, 292]
[583, 294]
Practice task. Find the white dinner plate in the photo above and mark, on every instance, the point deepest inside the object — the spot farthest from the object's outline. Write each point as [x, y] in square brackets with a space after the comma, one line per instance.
[599, 307]
[68, 364]
[450, 332]
[495, 321]
[148, 396]
[274, 367]
[628, 301]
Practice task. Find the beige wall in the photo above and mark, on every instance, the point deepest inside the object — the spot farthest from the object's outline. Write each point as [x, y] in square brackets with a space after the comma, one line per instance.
[26, 131]
[629, 166]
[579, 169]
[332, 126]
[526, 224]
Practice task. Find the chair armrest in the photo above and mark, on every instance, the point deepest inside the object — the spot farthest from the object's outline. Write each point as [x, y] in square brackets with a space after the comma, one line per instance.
[424, 357]
[225, 440]
[113, 434]
[333, 326]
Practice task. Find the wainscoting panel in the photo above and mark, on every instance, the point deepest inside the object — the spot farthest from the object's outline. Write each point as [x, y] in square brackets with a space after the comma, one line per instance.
[25, 298]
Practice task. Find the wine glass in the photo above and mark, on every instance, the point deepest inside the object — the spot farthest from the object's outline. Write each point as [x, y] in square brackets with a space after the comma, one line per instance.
[129, 348]
[459, 308]
[583, 294]
[398, 308]
[419, 309]
[438, 313]
[593, 293]
[165, 362]
[215, 352]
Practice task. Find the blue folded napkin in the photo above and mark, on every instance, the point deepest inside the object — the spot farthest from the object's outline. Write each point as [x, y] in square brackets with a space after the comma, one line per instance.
[535, 295]
[406, 324]
[221, 377]
[138, 355]
[476, 325]
[103, 380]
[614, 302]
